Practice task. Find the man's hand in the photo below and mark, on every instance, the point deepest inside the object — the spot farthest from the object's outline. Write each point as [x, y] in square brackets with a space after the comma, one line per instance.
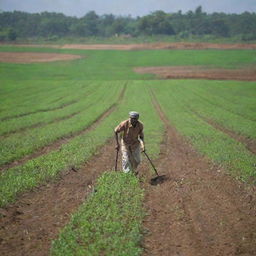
[142, 146]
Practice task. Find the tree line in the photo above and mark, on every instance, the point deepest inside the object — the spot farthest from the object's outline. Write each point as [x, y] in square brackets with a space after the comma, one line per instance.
[18, 24]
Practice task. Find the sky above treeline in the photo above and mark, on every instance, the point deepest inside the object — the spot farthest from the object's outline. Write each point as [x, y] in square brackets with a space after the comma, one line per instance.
[126, 7]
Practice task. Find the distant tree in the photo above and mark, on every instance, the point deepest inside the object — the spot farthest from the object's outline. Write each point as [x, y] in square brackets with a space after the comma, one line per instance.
[90, 23]
[156, 23]
[219, 28]
[49, 24]
[12, 35]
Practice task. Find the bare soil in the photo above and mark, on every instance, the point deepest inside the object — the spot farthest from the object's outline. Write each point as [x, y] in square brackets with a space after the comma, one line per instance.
[29, 226]
[199, 72]
[32, 57]
[144, 46]
[152, 46]
[199, 210]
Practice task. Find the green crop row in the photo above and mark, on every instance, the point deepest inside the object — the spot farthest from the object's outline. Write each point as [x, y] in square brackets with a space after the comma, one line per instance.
[45, 96]
[109, 223]
[42, 169]
[21, 144]
[207, 105]
[45, 117]
[236, 97]
[209, 141]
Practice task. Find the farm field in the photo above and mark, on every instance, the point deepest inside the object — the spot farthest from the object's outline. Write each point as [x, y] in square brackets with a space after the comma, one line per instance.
[57, 147]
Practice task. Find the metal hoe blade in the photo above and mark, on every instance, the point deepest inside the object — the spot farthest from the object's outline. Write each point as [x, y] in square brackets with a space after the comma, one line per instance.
[159, 178]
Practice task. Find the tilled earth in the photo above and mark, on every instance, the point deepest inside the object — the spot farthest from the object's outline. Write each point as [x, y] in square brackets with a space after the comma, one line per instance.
[32, 57]
[29, 225]
[200, 72]
[199, 210]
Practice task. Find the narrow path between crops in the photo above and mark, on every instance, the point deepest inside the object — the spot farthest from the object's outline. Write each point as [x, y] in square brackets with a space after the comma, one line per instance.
[65, 139]
[199, 210]
[29, 225]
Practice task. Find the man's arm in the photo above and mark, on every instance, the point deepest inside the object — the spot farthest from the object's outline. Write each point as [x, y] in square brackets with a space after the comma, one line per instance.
[142, 143]
[117, 130]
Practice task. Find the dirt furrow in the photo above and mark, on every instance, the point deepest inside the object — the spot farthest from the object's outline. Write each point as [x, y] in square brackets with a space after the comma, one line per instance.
[199, 210]
[28, 226]
[197, 72]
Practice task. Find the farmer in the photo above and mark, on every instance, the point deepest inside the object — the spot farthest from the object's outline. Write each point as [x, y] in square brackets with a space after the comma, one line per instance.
[132, 142]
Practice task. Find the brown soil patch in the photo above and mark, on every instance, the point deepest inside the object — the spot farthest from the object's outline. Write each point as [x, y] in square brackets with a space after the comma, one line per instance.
[32, 57]
[198, 72]
[152, 46]
[143, 46]
[199, 210]
[29, 226]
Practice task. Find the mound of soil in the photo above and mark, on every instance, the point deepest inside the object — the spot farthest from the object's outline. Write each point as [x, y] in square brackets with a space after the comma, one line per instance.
[199, 72]
[31, 57]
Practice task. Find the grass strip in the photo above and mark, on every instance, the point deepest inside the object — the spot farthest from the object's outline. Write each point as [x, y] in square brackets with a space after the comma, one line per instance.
[207, 106]
[206, 139]
[45, 117]
[38, 96]
[16, 146]
[236, 97]
[44, 168]
[109, 223]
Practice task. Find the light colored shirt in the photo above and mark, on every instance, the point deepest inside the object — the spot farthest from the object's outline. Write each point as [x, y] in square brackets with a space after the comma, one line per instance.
[130, 135]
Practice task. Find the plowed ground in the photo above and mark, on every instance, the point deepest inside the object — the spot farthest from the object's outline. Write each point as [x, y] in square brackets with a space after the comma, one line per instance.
[32, 57]
[152, 46]
[144, 46]
[193, 72]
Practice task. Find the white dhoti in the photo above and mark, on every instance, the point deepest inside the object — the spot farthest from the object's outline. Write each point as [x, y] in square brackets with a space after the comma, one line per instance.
[131, 158]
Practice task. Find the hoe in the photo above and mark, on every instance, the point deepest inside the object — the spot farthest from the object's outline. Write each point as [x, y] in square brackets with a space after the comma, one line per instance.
[154, 181]
[159, 178]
